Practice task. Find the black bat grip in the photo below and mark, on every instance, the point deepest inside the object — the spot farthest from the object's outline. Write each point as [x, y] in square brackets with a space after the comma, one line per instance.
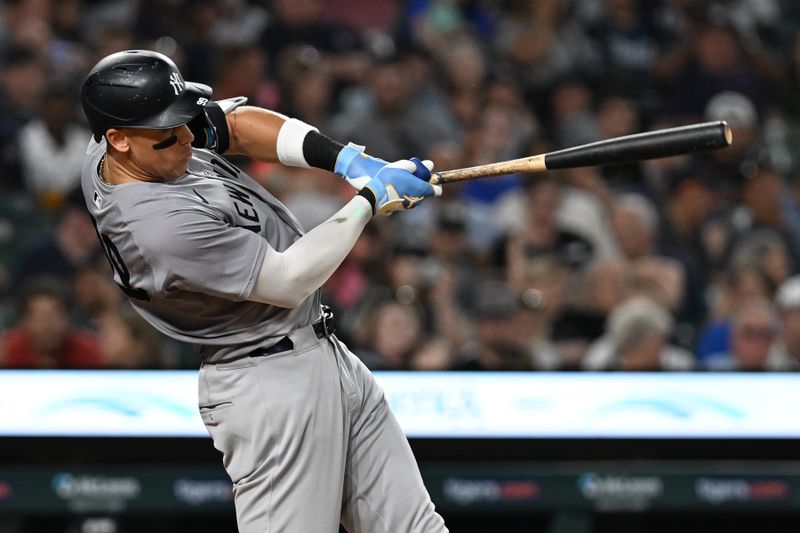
[649, 145]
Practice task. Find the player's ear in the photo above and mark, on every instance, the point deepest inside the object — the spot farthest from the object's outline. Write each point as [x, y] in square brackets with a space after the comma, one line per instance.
[118, 140]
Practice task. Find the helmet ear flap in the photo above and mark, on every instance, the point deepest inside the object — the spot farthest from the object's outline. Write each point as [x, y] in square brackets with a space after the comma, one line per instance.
[210, 128]
[205, 135]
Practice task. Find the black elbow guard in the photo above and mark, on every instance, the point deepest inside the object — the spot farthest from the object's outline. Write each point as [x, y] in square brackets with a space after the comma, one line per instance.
[210, 129]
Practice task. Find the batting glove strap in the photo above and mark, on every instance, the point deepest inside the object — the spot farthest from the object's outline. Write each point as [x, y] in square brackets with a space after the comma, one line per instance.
[367, 193]
[357, 167]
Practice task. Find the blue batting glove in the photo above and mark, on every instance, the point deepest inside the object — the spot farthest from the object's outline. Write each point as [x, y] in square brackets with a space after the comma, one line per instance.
[400, 185]
[357, 167]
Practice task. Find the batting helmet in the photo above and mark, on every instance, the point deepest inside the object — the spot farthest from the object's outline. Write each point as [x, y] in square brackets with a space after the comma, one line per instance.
[139, 89]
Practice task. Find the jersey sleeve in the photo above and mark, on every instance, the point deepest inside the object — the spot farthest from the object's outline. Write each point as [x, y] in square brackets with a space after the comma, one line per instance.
[192, 249]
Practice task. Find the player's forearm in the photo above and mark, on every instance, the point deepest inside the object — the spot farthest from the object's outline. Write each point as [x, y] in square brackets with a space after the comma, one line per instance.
[287, 278]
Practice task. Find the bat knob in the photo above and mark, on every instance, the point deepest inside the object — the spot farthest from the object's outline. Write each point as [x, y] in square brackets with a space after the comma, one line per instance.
[728, 133]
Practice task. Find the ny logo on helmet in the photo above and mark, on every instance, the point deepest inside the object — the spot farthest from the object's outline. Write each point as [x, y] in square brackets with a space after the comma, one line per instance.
[176, 82]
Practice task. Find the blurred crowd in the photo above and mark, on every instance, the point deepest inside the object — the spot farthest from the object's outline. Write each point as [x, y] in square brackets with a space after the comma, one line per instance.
[684, 263]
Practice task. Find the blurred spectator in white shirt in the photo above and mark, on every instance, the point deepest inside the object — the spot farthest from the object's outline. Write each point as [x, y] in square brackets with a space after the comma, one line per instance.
[785, 352]
[52, 147]
[637, 339]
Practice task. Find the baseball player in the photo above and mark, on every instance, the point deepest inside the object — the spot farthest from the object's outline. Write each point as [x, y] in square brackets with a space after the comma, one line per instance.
[210, 258]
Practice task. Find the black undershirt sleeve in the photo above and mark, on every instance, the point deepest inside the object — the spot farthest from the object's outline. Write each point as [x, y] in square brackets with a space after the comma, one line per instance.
[367, 193]
[320, 151]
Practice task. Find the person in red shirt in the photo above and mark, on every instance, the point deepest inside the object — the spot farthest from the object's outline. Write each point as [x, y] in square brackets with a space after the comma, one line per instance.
[44, 337]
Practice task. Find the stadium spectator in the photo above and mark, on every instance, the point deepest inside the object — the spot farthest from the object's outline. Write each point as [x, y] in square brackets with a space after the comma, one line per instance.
[601, 287]
[43, 337]
[574, 121]
[540, 232]
[129, 342]
[631, 39]
[637, 339]
[725, 166]
[498, 342]
[300, 23]
[449, 247]
[754, 329]
[498, 134]
[22, 80]
[465, 81]
[785, 353]
[766, 249]
[762, 211]
[618, 114]
[788, 107]
[689, 203]
[393, 334]
[57, 133]
[586, 201]
[391, 117]
[306, 87]
[94, 292]
[743, 282]
[242, 71]
[239, 23]
[435, 24]
[635, 226]
[363, 16]
[451, 274]
[354, 285]
[718, 63]
[545, 43]
[541, 299]
[62, 250]
[685, 210]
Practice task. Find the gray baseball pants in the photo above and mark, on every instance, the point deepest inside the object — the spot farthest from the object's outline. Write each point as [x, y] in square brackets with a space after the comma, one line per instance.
[309, 441]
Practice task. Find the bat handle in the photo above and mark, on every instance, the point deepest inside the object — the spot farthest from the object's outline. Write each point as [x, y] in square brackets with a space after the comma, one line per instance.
[524, 164]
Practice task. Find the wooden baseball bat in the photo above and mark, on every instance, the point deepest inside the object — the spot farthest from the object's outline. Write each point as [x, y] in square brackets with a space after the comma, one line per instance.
[637, 147]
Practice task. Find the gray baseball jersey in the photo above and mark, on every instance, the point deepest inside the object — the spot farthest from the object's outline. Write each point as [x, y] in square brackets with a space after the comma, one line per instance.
[188, 252]
[306, 434]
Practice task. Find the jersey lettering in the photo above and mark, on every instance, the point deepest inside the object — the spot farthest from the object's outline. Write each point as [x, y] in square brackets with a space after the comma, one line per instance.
[240, 196]
[200, 196]
[230, 170]
[118, 265]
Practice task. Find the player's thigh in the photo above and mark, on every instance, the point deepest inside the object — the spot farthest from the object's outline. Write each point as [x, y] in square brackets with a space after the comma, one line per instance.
[227, 393]
[282, 440]
[383, 489]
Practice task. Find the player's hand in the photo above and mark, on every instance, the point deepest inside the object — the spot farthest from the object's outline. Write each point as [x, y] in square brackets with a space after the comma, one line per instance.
[401, 185]
[357, 167]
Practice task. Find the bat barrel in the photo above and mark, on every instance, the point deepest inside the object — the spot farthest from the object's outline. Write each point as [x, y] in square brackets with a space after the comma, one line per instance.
[650, 145]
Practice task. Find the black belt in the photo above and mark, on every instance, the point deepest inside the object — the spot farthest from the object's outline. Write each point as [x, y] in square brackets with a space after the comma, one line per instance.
[324, 327]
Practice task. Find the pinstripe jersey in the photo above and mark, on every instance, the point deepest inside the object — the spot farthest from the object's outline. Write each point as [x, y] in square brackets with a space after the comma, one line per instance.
[188, 252]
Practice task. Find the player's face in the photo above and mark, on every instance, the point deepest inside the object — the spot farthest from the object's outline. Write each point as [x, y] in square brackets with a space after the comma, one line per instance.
[162, 155]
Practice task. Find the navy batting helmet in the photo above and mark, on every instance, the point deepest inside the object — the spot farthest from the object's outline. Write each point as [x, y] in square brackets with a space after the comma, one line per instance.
[139, 89]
